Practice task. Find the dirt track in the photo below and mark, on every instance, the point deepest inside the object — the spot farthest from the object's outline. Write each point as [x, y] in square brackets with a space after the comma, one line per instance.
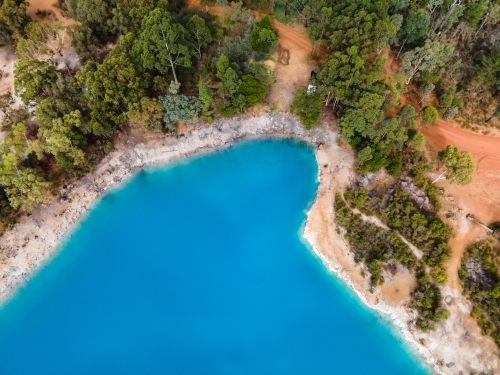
[482, 197]
[49, 6]
[485, 150]
[288, 77]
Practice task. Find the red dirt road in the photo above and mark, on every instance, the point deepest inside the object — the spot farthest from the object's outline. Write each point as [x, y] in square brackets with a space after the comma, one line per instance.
[485, 150]
[482, 197]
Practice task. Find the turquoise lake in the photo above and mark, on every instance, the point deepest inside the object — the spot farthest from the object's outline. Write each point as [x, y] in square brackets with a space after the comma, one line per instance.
[199, 268]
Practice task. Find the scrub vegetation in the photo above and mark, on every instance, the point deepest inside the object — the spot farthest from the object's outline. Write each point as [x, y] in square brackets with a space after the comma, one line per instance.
[375, 245]
[480, 277]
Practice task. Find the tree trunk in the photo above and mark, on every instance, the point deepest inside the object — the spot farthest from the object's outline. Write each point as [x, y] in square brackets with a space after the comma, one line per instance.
[335, 104]
[402, 45]
[448, 15]
[440, 177]
[170, 60]
[482, 23]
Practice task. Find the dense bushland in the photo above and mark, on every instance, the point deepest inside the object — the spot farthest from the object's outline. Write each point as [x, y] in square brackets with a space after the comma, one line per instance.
[168, 64]
[480, 277]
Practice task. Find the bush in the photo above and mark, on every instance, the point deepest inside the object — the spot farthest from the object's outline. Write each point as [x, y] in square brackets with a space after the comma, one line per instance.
[264, 36]
[427, 300]
[307, 107]
[371, 244]
[480, 278]
[439, 275]
[252, 90]
[425, 230]
[179, 107]
[429, 115]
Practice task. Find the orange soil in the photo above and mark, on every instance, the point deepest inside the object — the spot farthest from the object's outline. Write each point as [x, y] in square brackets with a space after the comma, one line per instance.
[288, 77]
[49, 6]
[396, 291]
[482, 197]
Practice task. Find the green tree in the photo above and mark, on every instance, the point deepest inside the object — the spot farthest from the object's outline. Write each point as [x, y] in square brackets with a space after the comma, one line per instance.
[15, 144]
[475, 11]
[489, 70]
[110, 90]
[429, 115]
[199, 32]
[454, 12]
[433, 54]
[13, 20]
[363, 156]
[35, 45]
[252, 89]
[128, 14]
[33, 78]
[206, 96]
[398, 5]
[26, 189]
[160, 44]
[83, 41]
[307, 107]
[148, 115]
[230, 80]
[63, 139]
[361, 23]
[459, 165]
[264, 36]
[232, 101]
[340, 76]
[416, 27]
[178, 107]
[93, 13]
[407, 116]
[50, 108]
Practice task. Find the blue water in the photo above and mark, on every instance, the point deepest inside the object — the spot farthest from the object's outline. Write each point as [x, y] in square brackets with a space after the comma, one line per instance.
[198, 268]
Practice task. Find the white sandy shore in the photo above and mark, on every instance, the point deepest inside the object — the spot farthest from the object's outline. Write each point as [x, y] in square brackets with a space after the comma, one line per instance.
[27, 246]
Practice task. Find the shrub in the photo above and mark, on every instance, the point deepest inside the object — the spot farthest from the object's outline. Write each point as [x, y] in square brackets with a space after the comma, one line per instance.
[426, 300]
[264, 36]
[252, 90]
[429, 115]
[480, 280]
[179, 107]
[307, 107]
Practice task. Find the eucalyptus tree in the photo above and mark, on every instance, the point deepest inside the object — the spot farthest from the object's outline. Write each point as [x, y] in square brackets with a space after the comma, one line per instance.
[63, 139]
[433, 54]
[33, 79]
[13, 20]
[199, 32]
[110, 90]
[459, 165]
[160, 44]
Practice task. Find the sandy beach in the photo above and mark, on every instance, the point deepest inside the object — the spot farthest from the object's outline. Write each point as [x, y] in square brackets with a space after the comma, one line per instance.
[456, 347]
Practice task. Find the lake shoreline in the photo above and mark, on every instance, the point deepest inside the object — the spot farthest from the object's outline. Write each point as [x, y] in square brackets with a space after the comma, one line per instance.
[37, 237]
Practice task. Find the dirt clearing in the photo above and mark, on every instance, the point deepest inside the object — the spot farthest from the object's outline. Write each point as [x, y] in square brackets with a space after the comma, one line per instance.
[288, 77]
[42, 10]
